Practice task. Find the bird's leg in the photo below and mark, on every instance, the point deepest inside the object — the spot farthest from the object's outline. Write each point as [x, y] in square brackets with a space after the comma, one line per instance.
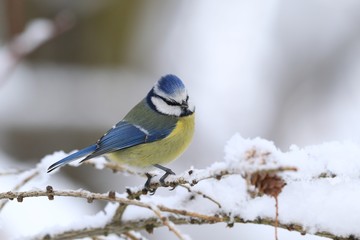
[168, 171]
[147, 184]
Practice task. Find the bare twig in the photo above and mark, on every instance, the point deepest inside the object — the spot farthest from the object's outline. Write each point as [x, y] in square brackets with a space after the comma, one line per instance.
[119, 212]
[167, 223]
[133, 236]
[34, 36]
[113, 166]
[23, 181]
[201, 194]
[276, 217]
[26, 180]
[9, 172]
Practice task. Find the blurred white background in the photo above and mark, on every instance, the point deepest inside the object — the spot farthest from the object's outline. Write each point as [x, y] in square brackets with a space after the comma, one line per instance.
[282, 70]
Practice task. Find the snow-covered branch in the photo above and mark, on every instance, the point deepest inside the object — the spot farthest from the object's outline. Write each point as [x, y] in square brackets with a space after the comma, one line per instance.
[118, 226]
[36, 33]
[315, 191]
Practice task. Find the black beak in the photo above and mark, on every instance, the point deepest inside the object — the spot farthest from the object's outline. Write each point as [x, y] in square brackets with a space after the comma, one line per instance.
[184, 105]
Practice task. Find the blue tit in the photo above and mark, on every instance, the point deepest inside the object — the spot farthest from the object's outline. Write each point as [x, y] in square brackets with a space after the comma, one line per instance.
[156, 131]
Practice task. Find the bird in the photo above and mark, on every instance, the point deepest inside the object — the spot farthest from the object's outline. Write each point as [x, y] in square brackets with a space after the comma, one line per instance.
[154, 132]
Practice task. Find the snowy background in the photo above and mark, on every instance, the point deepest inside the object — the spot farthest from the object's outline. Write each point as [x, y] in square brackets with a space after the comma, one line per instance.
[285, 71]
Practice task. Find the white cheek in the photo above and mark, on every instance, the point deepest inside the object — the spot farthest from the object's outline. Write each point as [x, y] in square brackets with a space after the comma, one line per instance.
[162, 107]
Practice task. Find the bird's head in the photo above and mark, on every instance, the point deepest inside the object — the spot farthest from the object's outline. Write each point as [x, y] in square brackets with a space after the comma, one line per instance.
[169, 97]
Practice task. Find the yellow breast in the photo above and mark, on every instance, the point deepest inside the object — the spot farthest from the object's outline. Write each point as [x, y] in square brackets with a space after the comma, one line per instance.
[159, 152]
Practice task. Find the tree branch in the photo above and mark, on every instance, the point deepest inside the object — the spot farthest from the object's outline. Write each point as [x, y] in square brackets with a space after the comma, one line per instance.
[193, 177]
[32, 173]
[236, 190]
[37, 33]
[176, 216]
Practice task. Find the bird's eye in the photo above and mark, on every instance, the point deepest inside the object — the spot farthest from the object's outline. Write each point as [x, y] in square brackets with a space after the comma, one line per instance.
[169, 101]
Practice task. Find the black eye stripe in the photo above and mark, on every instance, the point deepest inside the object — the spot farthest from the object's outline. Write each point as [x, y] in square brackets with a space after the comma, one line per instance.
[167, 101]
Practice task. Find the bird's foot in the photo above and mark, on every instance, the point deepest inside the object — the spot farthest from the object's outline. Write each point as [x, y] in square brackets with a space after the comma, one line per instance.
[147, 185]
[168, 172]
[162, 179]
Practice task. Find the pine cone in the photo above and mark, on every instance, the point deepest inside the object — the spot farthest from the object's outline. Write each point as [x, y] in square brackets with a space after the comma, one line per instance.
[267, 183]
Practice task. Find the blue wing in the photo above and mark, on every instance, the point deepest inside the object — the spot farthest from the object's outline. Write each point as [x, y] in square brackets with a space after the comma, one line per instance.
[124, 135]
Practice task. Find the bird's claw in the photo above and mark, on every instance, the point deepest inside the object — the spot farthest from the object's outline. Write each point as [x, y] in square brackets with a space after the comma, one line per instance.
[147, 185]
[162, 179]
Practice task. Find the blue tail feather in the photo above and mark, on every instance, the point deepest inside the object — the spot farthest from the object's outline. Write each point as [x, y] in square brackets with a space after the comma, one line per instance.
[81, 153]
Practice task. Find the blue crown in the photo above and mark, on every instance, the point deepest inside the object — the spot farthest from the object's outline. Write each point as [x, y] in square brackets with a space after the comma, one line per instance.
[170, 84]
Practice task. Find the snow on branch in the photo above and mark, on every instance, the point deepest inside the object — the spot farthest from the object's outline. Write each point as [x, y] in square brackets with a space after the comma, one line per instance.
[312, 190]
[36, 33]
